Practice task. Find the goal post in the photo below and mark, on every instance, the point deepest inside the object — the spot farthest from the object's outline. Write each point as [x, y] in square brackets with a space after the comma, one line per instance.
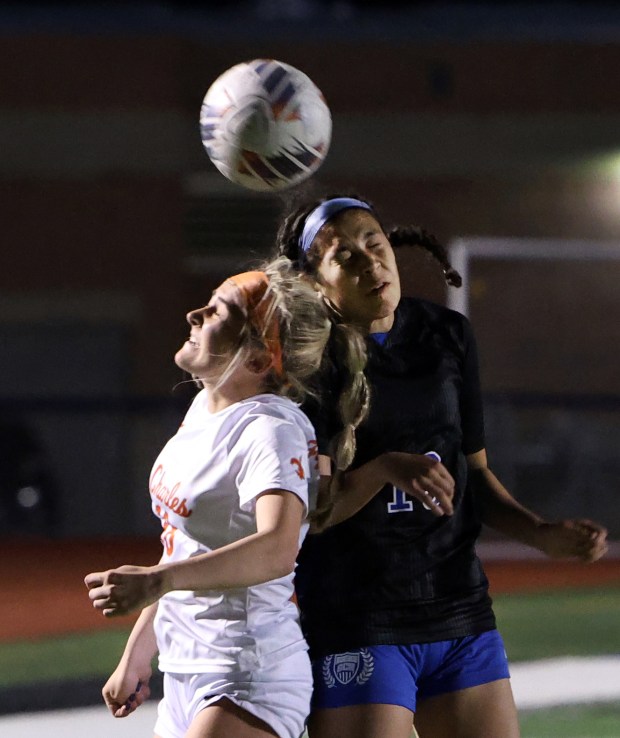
[463, 250]
[549, 344]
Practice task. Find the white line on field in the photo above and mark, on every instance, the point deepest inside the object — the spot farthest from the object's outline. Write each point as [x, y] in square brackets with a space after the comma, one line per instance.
[566, 681]
[536, 684]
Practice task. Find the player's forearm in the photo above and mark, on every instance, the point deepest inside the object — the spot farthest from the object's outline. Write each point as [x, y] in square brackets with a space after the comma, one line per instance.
[500, 511]
[258, 558]
[356, 488]
[141, 645]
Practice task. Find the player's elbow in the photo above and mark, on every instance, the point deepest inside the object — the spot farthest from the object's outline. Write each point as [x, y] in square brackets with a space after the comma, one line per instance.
[284, 564]
[280, 558]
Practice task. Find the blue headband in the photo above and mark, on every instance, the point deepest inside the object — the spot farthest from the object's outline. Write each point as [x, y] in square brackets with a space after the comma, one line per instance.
[321, 214]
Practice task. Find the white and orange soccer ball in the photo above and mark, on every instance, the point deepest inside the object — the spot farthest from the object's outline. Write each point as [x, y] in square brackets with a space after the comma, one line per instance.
[265, 125]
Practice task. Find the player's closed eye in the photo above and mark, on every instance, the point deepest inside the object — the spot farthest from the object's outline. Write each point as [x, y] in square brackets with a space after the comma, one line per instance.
[342, 255]
[215, 307]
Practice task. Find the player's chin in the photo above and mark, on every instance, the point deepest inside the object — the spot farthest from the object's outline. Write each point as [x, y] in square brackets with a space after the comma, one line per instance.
[182, 358]
[387, 302]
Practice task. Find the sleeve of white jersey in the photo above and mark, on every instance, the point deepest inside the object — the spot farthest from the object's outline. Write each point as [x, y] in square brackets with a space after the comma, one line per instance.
[274, 456]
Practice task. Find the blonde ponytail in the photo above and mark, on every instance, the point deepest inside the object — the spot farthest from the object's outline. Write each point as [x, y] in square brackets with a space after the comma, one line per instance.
[353, 403]
[316, 347]
[349, 357]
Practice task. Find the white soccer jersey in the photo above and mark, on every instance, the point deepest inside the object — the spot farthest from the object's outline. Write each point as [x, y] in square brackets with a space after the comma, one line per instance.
[203, 488]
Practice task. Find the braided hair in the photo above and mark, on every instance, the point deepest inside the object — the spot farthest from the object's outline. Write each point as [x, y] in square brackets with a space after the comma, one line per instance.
[416, 236]
[314, 345]
[347, 346]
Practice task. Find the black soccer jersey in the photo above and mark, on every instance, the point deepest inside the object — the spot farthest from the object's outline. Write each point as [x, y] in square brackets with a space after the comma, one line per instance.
[394, 573]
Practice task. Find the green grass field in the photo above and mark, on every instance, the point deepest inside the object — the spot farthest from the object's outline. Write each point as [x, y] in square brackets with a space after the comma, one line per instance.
[572, 721]
[535, 626]
[572, 622]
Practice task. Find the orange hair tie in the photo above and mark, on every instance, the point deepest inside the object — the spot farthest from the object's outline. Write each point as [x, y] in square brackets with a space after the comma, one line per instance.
[253, 286]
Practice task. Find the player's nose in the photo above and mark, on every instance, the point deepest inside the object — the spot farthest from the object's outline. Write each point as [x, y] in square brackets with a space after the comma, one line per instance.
[371, 262]
[197, 316]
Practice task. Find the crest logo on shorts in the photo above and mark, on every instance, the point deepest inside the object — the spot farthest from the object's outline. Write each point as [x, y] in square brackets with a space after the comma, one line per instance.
[344, 668]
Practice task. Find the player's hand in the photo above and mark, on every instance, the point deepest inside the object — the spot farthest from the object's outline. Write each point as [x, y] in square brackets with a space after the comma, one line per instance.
[126, 690]
[581, 539]
[422, 477]
[125, 589]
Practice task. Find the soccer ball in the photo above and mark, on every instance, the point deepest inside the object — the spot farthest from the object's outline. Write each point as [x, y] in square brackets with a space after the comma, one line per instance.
[265, 125]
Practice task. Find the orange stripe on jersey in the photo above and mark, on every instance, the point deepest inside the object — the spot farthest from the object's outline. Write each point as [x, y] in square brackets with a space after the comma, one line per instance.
[298, 467]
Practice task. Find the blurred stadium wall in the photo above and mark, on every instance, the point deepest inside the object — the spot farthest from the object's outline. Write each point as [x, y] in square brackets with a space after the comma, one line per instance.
[115, 223]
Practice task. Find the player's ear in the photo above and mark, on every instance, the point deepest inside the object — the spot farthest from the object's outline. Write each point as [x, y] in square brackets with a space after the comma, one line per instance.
[260, 361]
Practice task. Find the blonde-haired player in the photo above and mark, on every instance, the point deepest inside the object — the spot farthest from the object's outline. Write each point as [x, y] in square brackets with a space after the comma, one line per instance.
[233, 489]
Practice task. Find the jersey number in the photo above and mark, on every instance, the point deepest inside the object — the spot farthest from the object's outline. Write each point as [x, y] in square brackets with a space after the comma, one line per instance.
[400, 502]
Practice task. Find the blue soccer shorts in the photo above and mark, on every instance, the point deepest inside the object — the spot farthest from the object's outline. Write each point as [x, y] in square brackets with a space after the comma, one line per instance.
[400, 675]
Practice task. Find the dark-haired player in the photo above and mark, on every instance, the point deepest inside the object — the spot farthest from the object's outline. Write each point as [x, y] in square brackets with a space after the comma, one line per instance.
[394, 599]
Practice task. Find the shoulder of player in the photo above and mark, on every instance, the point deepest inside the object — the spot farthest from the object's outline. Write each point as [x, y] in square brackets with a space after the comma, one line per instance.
[416, 309]
[411, 306]
[275, 406]
[273, 414]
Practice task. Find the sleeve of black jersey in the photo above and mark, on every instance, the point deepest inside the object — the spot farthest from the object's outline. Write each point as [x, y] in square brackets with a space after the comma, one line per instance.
[472, 411]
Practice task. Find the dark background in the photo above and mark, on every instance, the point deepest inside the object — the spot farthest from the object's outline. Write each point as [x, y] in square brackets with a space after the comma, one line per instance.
[476, 121]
